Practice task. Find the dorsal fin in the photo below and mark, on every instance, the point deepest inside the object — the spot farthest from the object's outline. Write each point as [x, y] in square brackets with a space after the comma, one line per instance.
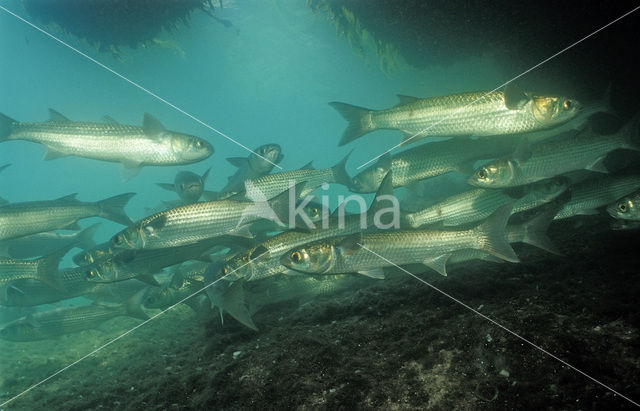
[205, 175]
[402, 99]
[514, 97]
[308, 166]
[152, 126]
[70, 197]
[56, 116]
[109, 120]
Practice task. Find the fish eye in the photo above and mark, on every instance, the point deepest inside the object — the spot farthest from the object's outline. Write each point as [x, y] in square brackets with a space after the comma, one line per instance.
[91, 274]
[225, 270]
[118, 239]
[482, 173]
[622, 207]
[567, 104]
[315, 210]
[296, 256]
[182, 186]
[151, 300]
[198, 143]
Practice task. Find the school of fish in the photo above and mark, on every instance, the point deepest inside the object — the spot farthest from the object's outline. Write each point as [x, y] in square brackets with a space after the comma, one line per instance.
[522, 160]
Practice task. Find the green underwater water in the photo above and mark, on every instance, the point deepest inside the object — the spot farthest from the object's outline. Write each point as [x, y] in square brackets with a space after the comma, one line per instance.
[263, 72]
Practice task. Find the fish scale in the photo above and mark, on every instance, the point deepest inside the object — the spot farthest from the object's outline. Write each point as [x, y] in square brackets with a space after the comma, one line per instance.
[430, 160]
[106, 142]
[592, 194]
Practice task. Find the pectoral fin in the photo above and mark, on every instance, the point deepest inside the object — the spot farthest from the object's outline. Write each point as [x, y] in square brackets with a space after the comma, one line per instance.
[438, 263]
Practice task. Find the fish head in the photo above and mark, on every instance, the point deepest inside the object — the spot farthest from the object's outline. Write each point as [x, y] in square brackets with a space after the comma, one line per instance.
[189, 148]
[315, 258]
[369, 180]
[84, 258]
[554, 110]
[624, 209]
[158, 297]
[19, 330]
[104, 271]
[237, 267]
[264, 157]
[189, 186]
[496, 174]
[314, 211]
[130, 238]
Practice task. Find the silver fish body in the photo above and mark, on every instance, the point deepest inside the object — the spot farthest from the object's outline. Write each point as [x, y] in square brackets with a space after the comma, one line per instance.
[132, 146]
[270, 185]
[584, 150]
[62, 321]
[430, 160]
[40, 244]
[251, 167]
[593, 193]
[477, 204]
[191, 223]
[476, 113]
[363, 253]
[21, 219]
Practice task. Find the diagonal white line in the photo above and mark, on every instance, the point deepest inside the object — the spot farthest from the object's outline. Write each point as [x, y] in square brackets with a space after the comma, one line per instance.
[499, 87]
[133, 83]
[500, 325]
[125, 333]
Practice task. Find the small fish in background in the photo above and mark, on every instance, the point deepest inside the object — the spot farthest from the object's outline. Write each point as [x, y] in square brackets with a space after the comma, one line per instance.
[131, 146]
[189, 186]
[257, 164]
[39, 244]
[585, 150]
[626, 208]
[466, 114]
[62, 321]
[21, 219]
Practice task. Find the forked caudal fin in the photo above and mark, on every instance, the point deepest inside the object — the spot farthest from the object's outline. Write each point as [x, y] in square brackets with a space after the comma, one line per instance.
[534, 231]
[492, 233]
[113, 208]
[6, 127]
[48, 268]
[356, 117]
[340, 174]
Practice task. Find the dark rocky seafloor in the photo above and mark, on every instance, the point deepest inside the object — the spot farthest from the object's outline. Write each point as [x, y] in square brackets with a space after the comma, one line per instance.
[393, 344]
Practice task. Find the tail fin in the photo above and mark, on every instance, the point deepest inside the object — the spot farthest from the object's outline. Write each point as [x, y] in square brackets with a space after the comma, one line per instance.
[280, 204]
[133, 306]
[340, 174]
[205, 175]
[6, 127]
[231, 301]
[630, 133]
[48, 268]
[84, 239]
[113, 208]
[356, 117]
[534, 231]
[493, 234]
